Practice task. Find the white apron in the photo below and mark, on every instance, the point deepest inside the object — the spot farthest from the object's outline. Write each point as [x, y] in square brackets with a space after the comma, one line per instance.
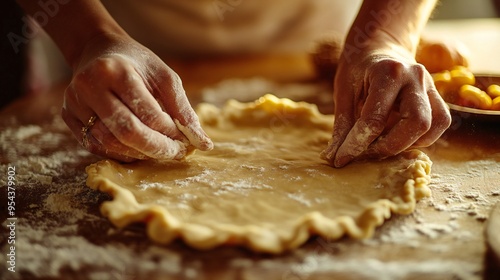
[231, 26]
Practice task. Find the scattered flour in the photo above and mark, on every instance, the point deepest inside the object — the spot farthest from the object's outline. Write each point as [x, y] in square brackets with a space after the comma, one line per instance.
[147, 185]
[53, 207]
[203, 177]
[369, 268]
[241, 186]
[260, 169]
[300, 199]
[59, 217]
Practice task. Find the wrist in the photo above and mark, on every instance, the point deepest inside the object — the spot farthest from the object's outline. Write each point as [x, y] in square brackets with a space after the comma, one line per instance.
[75, 24]
[380, 43]
[392, 25]
[94, 44]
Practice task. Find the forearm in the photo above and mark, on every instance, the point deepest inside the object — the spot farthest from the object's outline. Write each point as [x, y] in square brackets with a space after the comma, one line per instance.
[391, 23]
[72, 23]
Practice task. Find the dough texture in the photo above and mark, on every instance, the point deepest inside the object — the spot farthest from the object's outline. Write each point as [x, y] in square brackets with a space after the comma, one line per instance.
[263, 186]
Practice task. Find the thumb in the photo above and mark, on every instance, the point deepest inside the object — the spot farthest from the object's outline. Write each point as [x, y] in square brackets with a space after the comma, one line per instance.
[344, 118]
[342, 126]
[195, 134]
[177, 105]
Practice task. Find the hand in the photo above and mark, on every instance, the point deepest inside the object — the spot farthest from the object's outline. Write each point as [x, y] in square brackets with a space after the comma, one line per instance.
[385, 103]
[141, 108]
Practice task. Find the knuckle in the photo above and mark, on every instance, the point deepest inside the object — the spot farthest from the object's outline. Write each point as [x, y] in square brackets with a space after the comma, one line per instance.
[149, 119]
[174, 81]
[390, 68]
[69, 95]
[440, 113]
[80, 81]
[396, 69]
[105, 65]
[376, 123]
[446, 120]
[422, 123]
[175, 78]
[86, 79]
[127, 130]
[418, 68]
[442, 119]
[101, 68]
[418, 71]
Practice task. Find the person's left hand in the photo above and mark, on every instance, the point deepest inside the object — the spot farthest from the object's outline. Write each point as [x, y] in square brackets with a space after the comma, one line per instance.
[385, 103]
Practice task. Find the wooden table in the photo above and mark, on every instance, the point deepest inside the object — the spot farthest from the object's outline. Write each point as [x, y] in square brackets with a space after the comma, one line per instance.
[60, 233]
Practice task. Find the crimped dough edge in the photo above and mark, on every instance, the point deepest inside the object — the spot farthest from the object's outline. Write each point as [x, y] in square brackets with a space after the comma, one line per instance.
[162, 227]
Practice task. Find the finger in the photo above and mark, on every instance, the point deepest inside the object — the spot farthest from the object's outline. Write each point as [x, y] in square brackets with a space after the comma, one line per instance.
[100, 141]
[76, 115]
[134, 94]
[88, 89]
[74, 107]
[107, 144]
[94, 146]
[382, 94]
[174, 100]
[416, 118]
[441, 120]
[131, 132]
[344, 119]
[341, 128]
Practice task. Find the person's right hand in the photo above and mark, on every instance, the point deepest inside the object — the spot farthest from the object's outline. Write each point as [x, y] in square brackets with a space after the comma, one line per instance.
[140, 105]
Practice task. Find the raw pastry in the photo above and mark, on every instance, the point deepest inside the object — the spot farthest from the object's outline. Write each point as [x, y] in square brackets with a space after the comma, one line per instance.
[263, 186]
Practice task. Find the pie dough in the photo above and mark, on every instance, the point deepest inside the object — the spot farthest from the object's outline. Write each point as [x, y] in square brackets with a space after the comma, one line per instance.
[263, 186]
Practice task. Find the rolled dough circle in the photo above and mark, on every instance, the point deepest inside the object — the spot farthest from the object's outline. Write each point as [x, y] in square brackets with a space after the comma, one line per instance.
[263, 186]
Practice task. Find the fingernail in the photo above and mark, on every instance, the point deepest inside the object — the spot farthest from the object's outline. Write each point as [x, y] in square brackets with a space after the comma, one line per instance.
[341, 157]
[209, 145]
[172, 150]
[201, 140]
[205, 143]
[182, 150]
[196, 136]
[327, 154]
[343, 160]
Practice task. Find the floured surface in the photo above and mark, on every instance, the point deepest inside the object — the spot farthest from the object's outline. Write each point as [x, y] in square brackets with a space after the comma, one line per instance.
[263, 186]
[62, 235]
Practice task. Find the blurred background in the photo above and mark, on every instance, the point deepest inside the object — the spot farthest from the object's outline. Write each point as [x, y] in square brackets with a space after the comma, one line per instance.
[12, 65]
[461, 9]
